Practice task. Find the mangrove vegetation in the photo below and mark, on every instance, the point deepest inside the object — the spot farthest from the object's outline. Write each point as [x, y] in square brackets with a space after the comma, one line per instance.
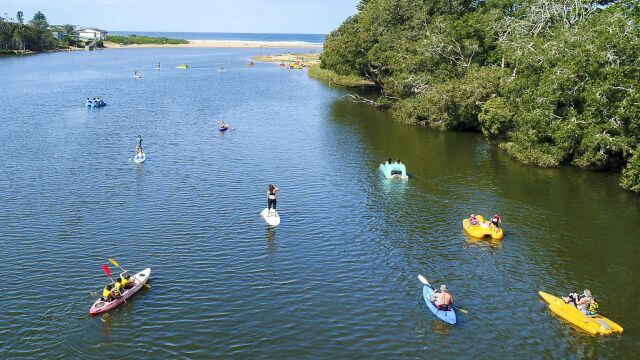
[552, 82]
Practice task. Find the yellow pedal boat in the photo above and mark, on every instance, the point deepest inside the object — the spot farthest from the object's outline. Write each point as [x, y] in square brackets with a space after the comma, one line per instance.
[594, 325]
[484, 228]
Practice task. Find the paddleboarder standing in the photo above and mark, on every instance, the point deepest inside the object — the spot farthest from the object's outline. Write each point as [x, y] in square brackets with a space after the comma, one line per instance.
[271, 198]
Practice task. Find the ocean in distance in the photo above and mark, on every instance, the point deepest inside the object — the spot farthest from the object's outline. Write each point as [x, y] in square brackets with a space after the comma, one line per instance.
[310, 38]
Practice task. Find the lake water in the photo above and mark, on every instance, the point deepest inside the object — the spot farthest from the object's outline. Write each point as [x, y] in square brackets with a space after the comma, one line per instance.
[310, 38]
[337, 278]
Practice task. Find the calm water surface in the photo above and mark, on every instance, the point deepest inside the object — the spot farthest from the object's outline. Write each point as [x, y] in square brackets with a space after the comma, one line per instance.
[337, 278]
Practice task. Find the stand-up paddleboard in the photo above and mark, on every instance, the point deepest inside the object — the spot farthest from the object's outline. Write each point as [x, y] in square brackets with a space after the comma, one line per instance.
[271, 217]
[139, 159]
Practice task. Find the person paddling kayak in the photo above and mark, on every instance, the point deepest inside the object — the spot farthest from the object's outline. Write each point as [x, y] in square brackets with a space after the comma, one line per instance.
[271, 198]
[442, 300]
[107, 294]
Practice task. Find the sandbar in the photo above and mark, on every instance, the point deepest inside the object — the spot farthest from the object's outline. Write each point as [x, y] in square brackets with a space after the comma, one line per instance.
[222, 44]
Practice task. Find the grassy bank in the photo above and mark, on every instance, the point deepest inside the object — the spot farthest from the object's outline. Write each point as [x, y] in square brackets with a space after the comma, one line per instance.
[317, 72]
[134, 39]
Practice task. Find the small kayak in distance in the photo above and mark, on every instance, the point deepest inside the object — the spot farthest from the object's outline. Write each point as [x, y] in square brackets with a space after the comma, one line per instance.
[137, 77]
[447, 316]
[594, 325]
[139, 159]
[223, 128]
[100, 306]
[271, 217]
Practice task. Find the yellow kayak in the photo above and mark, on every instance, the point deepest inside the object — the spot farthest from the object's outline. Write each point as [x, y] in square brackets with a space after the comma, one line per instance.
[484, 228]
[594, 325]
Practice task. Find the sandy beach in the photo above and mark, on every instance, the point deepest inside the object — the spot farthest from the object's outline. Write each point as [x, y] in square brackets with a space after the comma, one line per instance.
[223, 44]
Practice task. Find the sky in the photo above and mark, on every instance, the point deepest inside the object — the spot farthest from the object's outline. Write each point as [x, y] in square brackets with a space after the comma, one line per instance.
[261, 16]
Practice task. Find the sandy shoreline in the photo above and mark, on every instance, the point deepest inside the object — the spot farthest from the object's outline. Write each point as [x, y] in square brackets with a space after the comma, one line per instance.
[223, 44]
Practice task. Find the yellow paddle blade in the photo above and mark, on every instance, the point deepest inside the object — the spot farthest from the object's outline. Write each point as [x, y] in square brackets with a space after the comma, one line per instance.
[113, 262]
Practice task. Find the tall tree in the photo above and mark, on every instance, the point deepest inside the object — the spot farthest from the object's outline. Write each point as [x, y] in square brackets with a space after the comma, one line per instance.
[39, 20]
[20, 17]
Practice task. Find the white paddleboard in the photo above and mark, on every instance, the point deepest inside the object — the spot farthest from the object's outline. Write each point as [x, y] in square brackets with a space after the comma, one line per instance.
[140, 159]
[271, 217]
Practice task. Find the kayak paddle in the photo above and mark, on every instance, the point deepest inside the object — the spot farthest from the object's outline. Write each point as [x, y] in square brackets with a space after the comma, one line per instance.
[426, 282]
[106, 270]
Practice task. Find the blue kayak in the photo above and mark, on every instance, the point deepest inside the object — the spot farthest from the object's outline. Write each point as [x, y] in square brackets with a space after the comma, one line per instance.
[447, 316]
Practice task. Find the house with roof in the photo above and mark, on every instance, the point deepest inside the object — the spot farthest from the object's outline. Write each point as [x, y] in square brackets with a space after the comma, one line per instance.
[92, 34]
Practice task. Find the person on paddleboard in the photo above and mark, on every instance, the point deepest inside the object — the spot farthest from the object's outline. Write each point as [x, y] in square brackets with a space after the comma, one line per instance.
[442, 300]
[139, 145]
[271, 197]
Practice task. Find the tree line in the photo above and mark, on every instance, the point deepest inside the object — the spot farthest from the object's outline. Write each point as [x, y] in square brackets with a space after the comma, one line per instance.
[35, 35]
[553, 82]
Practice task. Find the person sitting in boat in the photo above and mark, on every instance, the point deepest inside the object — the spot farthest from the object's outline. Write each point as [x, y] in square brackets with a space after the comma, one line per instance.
[88, 102]
[271, 198]
[107, 293]
[473, 220]
[389, 161]
[126, 280]
[442, 300]
[585, 302]
[223, 124]
[100, 102]
[495, 221]
[398, 162]
[95, 101]
[117, 288]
